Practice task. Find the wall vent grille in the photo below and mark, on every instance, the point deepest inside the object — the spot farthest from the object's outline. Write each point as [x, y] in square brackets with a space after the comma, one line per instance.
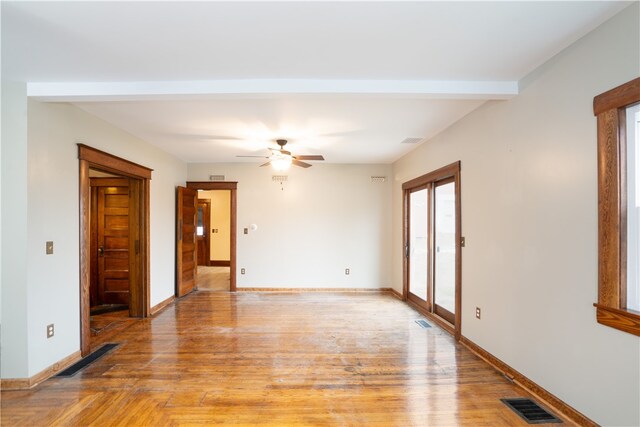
[279, 178]
[216, 177]
[530, 411]
[378, 179]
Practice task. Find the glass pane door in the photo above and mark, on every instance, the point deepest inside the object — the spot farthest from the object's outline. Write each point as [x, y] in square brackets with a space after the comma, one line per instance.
[444, 289]
[418, 243]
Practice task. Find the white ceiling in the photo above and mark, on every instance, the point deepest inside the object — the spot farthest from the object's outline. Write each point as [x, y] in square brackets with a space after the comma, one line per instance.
[416, 67]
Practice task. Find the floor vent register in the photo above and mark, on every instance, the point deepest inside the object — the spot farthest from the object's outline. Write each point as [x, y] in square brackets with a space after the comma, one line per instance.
[86, 361]
[530, 411]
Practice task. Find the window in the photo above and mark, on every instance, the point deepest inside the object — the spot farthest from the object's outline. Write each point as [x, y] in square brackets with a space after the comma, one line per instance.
[618, 212]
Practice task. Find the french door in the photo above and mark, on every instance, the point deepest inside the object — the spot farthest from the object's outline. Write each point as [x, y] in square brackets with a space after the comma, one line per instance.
[432, 244]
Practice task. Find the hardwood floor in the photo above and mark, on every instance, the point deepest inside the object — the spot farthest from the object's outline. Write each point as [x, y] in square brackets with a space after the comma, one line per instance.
[275, 359]
[213, 278]
[105, 326]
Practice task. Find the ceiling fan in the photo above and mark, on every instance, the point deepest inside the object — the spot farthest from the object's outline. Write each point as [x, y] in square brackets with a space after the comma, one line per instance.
[281, 159]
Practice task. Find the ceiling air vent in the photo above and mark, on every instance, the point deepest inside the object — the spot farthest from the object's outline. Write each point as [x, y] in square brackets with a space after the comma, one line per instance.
[279, 178]
[530, 411]
[216, 177]
[411, 140]
[378, 178]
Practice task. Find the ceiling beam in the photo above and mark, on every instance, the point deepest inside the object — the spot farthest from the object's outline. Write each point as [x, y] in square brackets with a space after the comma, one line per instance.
[179, 90]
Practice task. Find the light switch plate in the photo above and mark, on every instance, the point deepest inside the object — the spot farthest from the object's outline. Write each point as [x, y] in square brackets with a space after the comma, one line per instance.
[49, 248]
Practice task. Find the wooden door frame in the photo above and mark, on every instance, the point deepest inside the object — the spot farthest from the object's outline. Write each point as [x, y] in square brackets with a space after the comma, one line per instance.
[206, 219]
[233, 187]
[140, 177]
[430, 179]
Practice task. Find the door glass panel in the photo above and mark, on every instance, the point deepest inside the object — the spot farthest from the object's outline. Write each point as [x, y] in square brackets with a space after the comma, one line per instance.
[418, 243]
[445, 245]
[200, 227]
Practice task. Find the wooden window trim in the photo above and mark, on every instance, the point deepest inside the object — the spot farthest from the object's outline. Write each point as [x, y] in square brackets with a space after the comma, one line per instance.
[609, 108]
[233, 187]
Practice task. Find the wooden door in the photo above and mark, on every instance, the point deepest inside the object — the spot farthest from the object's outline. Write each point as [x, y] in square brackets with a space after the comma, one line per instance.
[112, 241]
[186, 251]
[203, 231]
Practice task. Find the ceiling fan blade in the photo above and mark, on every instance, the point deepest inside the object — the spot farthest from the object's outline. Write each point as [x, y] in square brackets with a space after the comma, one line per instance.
[281, 151]
[311, 157]
[301, 164]
[261, 157]
[265, 164]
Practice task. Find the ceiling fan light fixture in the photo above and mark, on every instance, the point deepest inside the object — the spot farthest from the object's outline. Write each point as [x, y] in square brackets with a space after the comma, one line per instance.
[280, 162]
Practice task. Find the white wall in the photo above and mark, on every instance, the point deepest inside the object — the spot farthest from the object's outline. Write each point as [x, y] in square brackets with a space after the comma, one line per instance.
[52, 214]
[529, 215]
[220, 219]
[14, 356]
[327, 218]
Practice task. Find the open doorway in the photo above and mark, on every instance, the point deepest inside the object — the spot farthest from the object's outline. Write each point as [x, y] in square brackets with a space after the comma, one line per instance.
[213, 233]
[114, 239]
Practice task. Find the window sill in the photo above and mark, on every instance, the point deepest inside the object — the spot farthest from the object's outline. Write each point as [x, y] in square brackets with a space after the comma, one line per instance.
[623, 320]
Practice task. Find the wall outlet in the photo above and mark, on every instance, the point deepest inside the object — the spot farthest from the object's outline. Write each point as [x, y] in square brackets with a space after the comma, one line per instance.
[49, 248]
[477, 312]
[50, 330]
[242, 271]
[347, 271]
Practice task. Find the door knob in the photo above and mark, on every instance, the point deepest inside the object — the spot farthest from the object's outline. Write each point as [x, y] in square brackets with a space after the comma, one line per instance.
[100, 251]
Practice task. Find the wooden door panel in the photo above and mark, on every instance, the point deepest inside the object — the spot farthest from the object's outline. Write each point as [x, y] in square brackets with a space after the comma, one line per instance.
[186, 257]
[114, 240]
[117, 222]
[117, 200]
[116, 244]
[115, 263]
[117, 285]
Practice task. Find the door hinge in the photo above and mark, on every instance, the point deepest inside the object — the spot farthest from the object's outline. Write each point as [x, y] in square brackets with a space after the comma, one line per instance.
[462, 242]
[137, 246]
[406, 251]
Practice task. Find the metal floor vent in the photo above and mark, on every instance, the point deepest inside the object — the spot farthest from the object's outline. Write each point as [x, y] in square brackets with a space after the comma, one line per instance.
[423, 324]
[530, 411]
[84, 362]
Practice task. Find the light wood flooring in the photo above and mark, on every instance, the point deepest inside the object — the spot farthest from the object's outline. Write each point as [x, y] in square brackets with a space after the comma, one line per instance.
[280, 359]
[213, 278]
